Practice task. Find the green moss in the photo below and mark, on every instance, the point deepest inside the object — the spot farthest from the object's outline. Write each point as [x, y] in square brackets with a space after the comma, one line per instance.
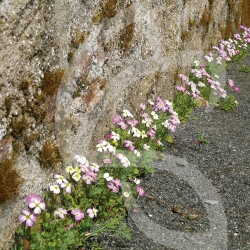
[205, 18]
[24, 87]
[51, 81]
[8, 104]
[77, 92]
[49, 156]
[29, 139]
[108, 9]
[9, 180]
[184, 35]
[126, 37]
[70, 55]
[19, 126]
[78, 37]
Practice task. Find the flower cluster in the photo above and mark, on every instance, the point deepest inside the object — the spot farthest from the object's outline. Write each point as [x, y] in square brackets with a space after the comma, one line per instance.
[77, 213]
[157, 119]
[36, 205]
[202, 76]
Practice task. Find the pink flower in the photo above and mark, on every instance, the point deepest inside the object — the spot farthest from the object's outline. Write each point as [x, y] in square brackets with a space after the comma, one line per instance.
[60, 212]
[128, 143]
[117, 119]
[107, 161]
[184, 78]
[133, 123]
[88, 179]
[92, 212]
[140, 191]
[31, 197]
[123, 125]
[230, 83]
[142, 106]
[78, 214]
[236, 88]
[181, 88]
[94, 167]
[113, 187]
[159, 142]
[38, 205]
[68, 187]
[71, 226]
[117, 182]
[28, 217]
[151, 133]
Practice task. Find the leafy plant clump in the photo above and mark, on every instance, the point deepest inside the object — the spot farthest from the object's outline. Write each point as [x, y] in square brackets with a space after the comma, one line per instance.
[90, 199]
[245, 69]
[205, 81]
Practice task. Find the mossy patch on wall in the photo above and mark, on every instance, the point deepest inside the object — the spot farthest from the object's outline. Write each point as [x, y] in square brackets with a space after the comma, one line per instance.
[126, 37]
[10, 180]
[246, 13]
[51, 81]
[36, 111]
[49, 155]
[109, 9]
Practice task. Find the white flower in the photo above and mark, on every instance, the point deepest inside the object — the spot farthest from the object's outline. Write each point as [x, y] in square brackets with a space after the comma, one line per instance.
[151, 103]
[101, 147]
[111, 148]
[94, 167]
[110, 178]
[81, 159]
[76, 176]
[78, 170]
[137, 132]
[137, 181]
[107, 177]
[126, 194]
[196, 63]
[55, 189]
[59, 178]
[168, 103]
[146, 147]
[70, 170]
[165, 124]
[147, 121]
[137, 153]
[115, 136]
[143, 134]
[155, 116]
[126, 113]
[125, 162]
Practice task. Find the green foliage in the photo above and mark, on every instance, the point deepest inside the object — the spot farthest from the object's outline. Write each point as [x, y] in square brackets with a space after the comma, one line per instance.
[245, 69]
[229, 103]
[201, 139]
[183, 105]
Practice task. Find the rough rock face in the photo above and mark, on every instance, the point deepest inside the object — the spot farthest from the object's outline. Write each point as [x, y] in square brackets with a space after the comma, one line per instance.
[68, 66]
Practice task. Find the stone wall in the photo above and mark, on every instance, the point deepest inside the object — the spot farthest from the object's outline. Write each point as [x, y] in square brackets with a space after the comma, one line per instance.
[68, 66]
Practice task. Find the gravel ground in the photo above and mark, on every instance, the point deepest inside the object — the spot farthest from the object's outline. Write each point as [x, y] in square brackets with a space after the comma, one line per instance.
[199, 198]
